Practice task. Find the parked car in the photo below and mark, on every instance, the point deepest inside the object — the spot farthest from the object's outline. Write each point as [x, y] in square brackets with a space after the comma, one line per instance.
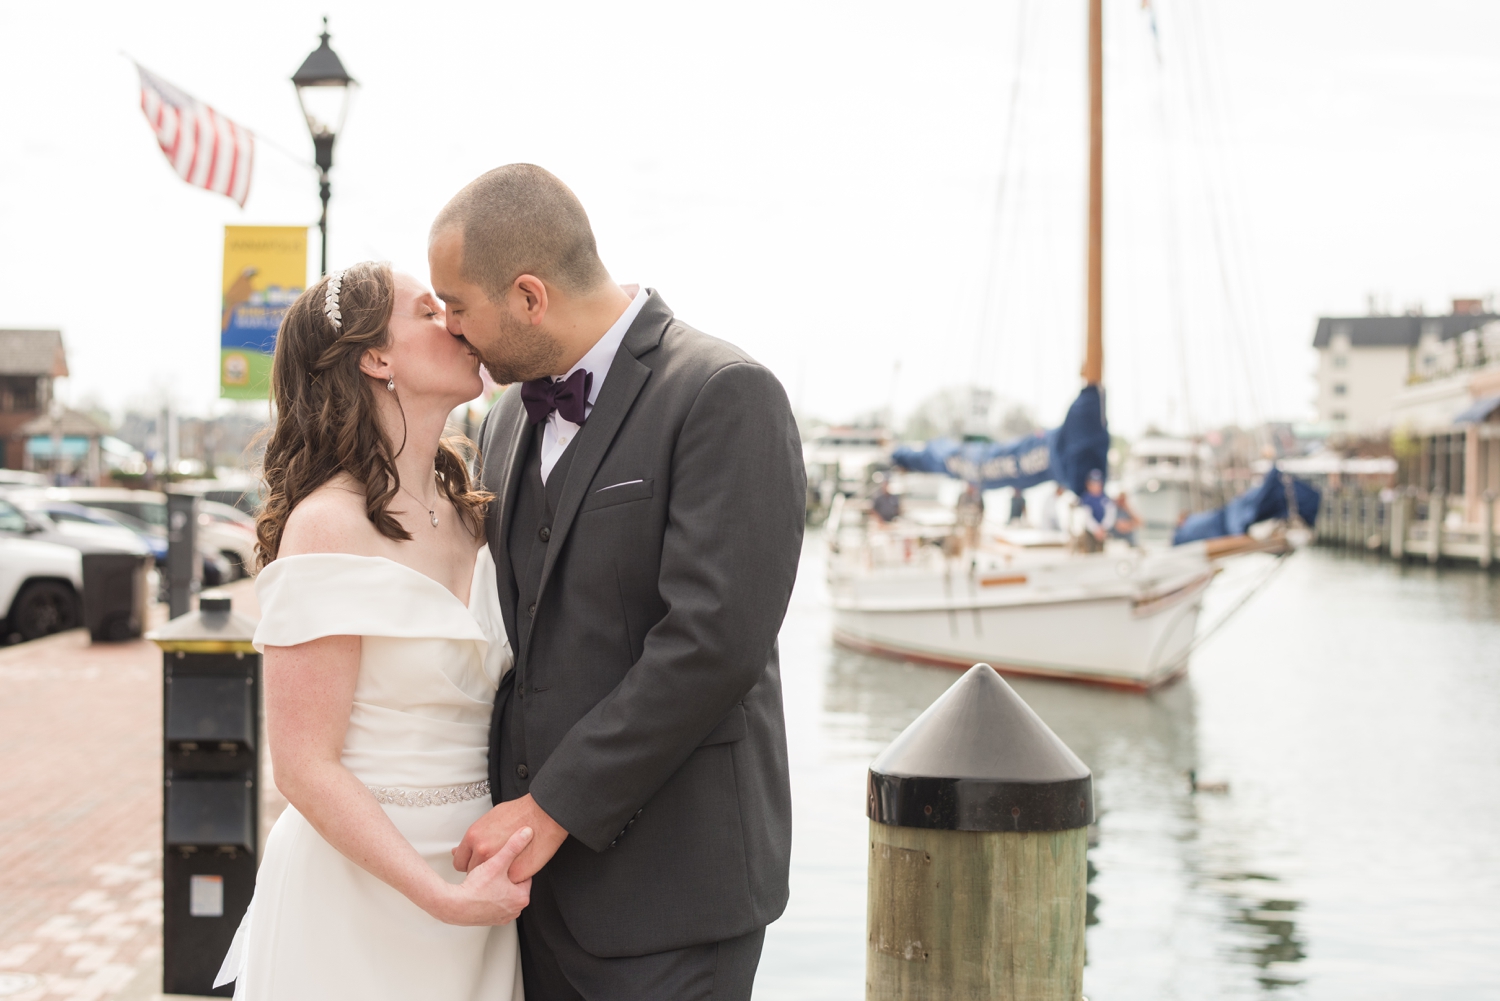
[233, 531]
[228, 549]
[40, 585]
[22, 478]
[244, 494]
[84, 534]
[67, 516]
[154, 538]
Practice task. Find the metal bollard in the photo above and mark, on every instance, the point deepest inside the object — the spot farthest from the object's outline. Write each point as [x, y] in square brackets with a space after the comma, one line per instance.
[978, 841]
[211, 784]
[184, 569]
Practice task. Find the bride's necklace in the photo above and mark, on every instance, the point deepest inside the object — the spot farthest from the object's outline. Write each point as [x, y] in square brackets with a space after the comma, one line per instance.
[431, 511]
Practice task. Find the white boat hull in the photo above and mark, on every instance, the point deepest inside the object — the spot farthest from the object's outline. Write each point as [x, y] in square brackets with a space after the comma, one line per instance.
[1078, 618]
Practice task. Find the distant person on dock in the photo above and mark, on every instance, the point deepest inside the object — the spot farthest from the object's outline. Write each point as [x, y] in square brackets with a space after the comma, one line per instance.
[1099, 514]
[968, 514]
[885, 505]
[1017, 508]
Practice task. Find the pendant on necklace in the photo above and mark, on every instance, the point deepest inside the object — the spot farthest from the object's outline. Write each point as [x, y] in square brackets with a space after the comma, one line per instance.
[433, 515]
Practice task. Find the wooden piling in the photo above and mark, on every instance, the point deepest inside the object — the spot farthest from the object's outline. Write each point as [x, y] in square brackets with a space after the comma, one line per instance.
[1437, 507]
[977, 868]
[1400, 515]
[1486, 531]
[1014, 898]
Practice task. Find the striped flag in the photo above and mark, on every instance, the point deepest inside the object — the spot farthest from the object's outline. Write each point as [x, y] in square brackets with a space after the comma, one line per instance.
[205, 148]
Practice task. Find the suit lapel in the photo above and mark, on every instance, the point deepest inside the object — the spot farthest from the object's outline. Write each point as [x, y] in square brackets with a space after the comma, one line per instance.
[627, 374]
[626, 377]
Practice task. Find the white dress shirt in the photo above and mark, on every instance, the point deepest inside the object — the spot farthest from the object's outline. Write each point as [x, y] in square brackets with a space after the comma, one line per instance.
[558, 433]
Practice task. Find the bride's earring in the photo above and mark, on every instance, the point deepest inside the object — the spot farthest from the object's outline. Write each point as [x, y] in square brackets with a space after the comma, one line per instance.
[391, 384]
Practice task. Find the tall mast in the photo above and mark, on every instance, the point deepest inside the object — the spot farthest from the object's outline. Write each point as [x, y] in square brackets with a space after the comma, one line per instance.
[1093, 360]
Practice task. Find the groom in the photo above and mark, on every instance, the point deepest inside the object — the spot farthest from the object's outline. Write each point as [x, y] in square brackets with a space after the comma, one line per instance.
[646, 530]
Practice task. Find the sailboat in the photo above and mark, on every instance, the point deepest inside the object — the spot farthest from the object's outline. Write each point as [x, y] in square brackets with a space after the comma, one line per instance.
[1123, 617]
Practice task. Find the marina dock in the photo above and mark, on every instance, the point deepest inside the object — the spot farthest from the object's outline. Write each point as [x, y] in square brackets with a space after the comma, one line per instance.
[1407, 524]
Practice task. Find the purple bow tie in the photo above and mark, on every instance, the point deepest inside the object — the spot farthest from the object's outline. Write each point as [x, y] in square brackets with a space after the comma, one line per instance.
[569, 397]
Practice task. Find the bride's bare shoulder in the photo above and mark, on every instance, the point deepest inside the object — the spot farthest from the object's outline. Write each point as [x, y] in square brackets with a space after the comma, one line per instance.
[331, 519]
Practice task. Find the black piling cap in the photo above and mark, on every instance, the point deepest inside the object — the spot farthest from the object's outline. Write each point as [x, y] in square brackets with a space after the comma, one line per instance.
[979, 759]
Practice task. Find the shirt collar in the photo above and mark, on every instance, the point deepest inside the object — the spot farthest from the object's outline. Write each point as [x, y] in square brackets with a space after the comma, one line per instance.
[602, 354]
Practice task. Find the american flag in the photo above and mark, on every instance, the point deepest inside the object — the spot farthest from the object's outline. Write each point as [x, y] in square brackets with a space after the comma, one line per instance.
[205, 148]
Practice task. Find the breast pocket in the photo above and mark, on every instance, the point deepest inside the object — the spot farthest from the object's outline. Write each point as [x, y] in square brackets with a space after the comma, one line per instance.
[615, 494]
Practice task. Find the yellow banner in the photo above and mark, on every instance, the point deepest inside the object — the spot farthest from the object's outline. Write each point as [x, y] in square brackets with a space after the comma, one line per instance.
[265, 269]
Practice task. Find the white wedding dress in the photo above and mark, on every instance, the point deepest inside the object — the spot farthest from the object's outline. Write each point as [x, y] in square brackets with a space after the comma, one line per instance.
[321, 928]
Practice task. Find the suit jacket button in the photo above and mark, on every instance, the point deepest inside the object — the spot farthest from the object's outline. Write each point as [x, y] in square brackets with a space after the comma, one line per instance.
[614, 842]
[522, 772]
[531, 609]
[546, 533]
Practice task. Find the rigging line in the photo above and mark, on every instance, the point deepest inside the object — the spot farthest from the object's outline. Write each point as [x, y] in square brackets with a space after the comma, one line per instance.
[1221, 219]
[1006, 153]
[1244, 599]
[1007, 234]
[1174, 249]
[1217, 225]
[1239, 231]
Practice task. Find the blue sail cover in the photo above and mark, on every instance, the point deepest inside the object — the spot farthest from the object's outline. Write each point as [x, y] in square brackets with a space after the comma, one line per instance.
[1257, 504]
[1066, 454]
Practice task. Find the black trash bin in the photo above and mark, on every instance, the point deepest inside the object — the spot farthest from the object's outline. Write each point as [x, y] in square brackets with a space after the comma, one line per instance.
[116, 589]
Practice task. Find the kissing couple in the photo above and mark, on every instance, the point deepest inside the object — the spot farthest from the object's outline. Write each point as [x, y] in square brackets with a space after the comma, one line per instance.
[530, 727]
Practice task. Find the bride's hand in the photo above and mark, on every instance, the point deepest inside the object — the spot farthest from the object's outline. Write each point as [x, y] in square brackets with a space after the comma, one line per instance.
[487, 896]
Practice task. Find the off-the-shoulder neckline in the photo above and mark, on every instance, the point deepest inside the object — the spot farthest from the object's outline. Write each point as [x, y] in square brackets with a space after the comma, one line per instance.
[473, 574]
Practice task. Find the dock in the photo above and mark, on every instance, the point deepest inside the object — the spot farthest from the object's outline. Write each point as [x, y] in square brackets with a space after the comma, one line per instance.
[1408, 524]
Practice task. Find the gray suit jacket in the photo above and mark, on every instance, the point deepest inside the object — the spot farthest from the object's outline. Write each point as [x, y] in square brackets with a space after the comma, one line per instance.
[649, 691]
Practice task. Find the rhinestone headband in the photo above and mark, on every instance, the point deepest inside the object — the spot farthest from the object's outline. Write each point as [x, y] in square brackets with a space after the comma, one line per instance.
[331, 300]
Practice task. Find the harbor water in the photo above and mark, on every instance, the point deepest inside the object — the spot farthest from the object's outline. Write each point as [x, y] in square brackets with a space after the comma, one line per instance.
[1353, 710]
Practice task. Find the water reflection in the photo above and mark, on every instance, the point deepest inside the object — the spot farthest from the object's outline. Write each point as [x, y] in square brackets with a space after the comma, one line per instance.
[1140, 749]
[1261, 890]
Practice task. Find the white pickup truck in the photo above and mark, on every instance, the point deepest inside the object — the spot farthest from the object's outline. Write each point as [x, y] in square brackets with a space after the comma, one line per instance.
[40, 588]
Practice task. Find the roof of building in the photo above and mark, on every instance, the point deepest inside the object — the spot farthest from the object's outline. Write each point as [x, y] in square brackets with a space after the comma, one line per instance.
[71, 423]
[1395, 331]
[1479, 411]
[32, 352]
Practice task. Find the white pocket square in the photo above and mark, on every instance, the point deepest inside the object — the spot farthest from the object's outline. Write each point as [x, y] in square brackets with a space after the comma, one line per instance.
[613, 485]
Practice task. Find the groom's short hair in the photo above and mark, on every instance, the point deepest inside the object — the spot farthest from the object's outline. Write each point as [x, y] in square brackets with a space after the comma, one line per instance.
[520, 219]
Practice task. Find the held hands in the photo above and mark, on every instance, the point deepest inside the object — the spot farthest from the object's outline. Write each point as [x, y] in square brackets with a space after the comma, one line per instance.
[488, 838]
[488, 896]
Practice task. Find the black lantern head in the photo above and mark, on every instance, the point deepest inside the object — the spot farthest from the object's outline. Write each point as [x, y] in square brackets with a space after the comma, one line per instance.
[323, 87]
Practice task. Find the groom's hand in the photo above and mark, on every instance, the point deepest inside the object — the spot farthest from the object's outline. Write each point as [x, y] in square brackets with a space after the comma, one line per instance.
[489, 834]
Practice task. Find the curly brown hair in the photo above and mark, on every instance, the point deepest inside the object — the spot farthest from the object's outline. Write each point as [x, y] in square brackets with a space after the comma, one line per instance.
[326, 421]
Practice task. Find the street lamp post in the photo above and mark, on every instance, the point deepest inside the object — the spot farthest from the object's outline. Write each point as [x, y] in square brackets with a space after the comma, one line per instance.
[323, 92]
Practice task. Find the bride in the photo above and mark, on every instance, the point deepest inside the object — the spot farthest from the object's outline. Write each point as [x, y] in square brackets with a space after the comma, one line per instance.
[383, 648]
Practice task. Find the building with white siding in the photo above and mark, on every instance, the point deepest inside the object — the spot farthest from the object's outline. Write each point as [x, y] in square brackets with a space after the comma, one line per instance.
[1365, 362]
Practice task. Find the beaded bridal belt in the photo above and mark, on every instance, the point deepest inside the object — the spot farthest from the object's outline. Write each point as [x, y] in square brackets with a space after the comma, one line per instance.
[442, 796]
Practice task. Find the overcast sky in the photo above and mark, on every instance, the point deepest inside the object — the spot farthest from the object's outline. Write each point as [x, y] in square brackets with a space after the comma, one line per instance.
[817, 182]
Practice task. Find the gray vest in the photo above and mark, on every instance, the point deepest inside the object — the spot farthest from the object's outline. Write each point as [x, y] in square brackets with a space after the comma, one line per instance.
[530, 535]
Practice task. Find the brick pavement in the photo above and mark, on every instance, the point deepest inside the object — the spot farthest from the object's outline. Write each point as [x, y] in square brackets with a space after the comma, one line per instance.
[80, 817]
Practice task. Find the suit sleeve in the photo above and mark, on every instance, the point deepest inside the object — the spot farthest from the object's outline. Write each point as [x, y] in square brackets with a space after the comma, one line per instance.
[729, 558]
